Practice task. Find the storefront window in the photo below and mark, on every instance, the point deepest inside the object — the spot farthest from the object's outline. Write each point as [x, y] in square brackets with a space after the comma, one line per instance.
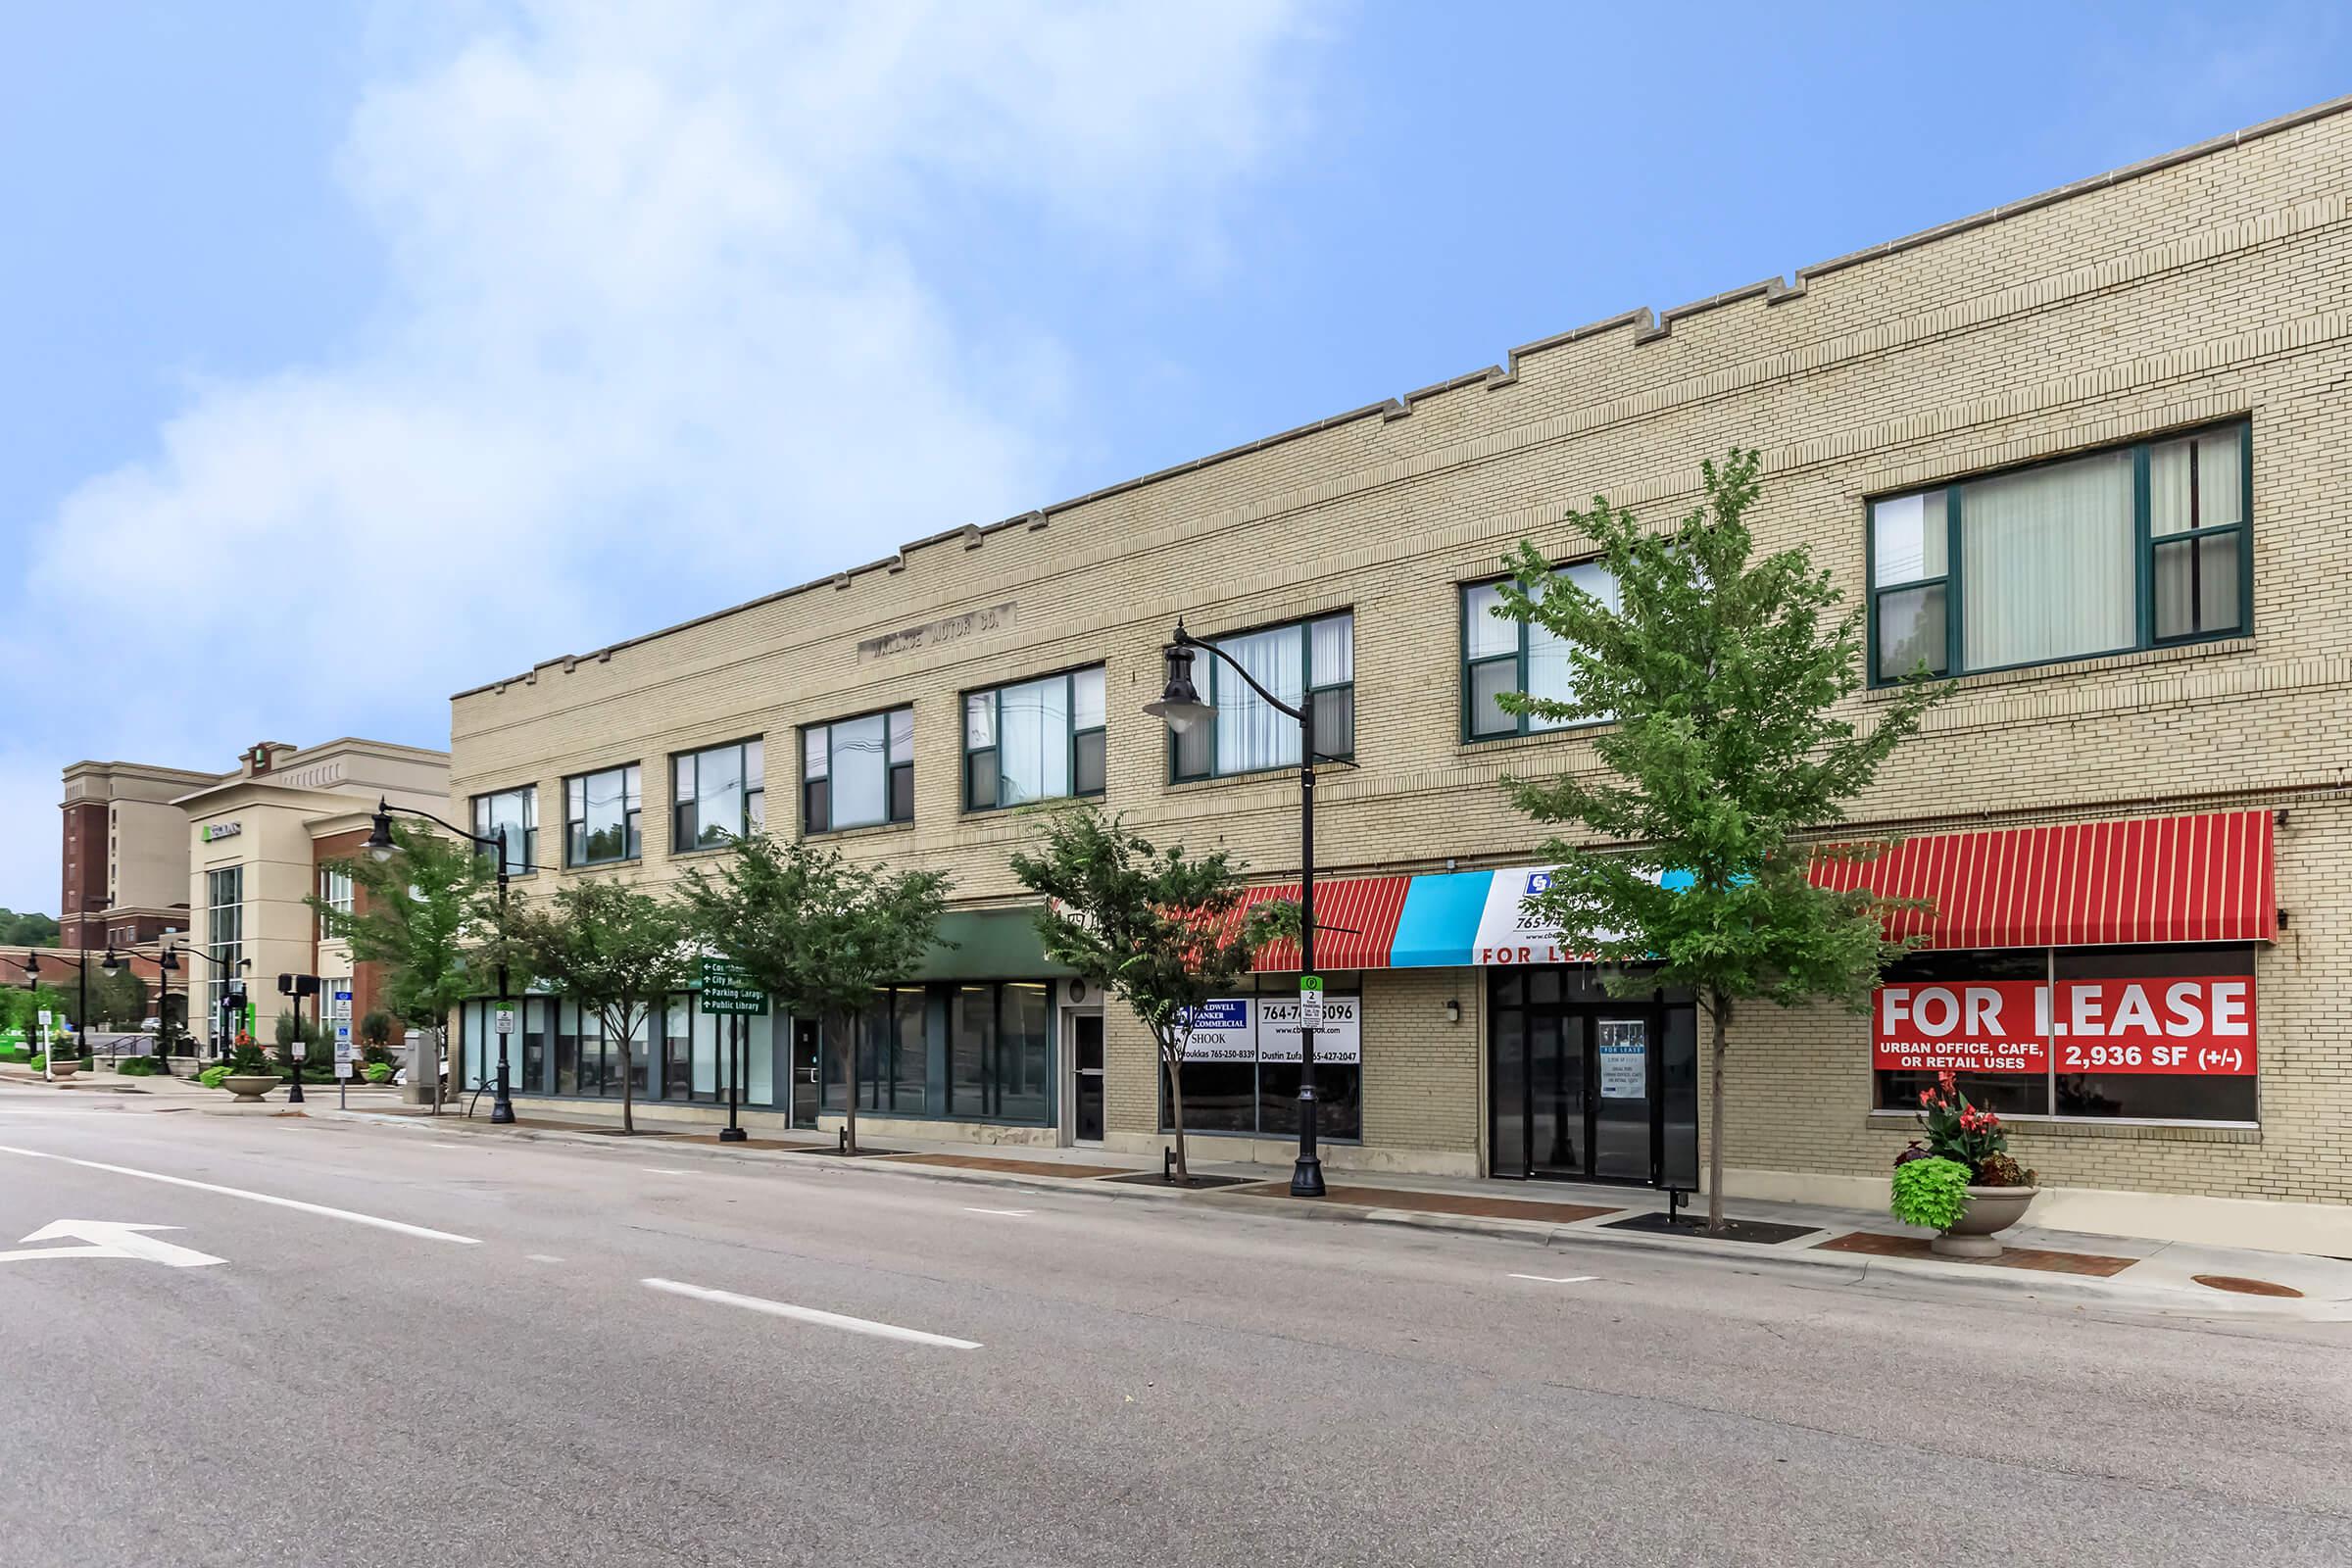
[1241, 1070]
[2142, 1033]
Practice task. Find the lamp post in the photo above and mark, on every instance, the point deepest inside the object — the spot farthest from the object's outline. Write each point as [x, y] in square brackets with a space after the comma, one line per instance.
[235, 970]
[380, 844]
[81, 1018]
[1181, 706]
[33, 987]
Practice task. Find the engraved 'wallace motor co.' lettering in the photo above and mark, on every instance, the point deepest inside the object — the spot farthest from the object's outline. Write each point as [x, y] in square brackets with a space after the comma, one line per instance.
[939, 633]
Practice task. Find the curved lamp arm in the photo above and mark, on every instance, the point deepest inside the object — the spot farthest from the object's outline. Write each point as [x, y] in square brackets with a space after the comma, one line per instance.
[1185, 639]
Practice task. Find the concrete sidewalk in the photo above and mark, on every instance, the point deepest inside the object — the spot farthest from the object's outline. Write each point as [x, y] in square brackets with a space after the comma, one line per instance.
[2176, 1278]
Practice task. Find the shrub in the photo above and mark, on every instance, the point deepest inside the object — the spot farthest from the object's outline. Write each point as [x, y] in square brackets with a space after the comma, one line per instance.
[39, 1064]
[379, 1072]
[136, 1067]
[211, 1076]
[1931, 1192]
[1999, 1170]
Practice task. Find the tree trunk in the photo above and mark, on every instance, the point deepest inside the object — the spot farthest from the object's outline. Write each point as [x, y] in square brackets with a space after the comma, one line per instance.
[1170, 1062]
[1719, 1011]
[629, 1081]
[440, 1034]
[849, 1031]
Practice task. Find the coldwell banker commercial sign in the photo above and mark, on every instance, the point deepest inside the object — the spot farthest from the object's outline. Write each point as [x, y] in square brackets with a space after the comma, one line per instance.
[2202, 1024]
[1509, 932]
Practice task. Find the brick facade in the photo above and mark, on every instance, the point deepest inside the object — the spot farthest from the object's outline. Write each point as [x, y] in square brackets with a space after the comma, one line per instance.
[2205, 286]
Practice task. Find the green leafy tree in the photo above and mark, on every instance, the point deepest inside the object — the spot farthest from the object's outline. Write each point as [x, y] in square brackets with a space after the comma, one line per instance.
[1725, 678]
[426, 915]
[21, 1009]
[376, 1036]
[1162, 929]
[27, 930]
[614, 951]
[119, 998]
[819, 932]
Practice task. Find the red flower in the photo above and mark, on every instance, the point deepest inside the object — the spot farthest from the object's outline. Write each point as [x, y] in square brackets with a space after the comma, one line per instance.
[1927, 1096]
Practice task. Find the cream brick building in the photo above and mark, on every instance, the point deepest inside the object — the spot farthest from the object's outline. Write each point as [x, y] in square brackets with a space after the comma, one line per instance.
[2105, 676]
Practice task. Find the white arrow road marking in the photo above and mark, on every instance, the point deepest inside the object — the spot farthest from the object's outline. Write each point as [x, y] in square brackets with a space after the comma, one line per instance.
[1558, 1279]
[809, 1314]
[108, 1238]
[254, 1197]
[1014, 1214]
[657, 1170]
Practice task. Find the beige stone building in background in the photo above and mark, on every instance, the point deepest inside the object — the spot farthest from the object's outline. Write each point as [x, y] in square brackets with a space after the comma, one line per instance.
[2079, 453]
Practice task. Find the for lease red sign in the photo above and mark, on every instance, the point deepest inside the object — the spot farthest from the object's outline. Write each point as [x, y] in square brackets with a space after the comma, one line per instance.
[2201, 1025]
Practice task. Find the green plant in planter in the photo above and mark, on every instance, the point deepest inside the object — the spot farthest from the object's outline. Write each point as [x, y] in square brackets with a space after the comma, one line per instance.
[39, 1064]
[379, 1072]
[1931, 1192]
[211, 1076]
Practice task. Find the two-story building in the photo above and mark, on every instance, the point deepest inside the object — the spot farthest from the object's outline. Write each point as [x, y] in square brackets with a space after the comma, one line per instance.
[2077, 453]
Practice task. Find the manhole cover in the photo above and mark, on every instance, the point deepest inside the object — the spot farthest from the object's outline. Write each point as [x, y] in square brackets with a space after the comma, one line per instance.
[2243, 1286]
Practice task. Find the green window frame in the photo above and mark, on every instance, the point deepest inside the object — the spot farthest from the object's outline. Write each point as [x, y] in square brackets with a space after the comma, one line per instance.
[690, 827]
[1490, 657]
[988, 786]
[620, 840]
[2188, 571]
[888, 731]
[1205, 750]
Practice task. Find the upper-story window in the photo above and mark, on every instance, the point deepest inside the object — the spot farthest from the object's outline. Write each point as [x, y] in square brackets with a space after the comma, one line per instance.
[858, 772]
[334, 891]
[2132, 548]
[602, 819]
[717, 795]
[1308, 661]
[516, 811]
[1501, 655]
[1035, 741]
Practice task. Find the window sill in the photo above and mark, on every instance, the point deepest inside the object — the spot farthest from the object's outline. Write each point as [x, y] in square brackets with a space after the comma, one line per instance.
[1488, 745]
[607, 865]
[864, 830]
[2094, 664]
[702, 853]
[983, 813]
[2169, 1132]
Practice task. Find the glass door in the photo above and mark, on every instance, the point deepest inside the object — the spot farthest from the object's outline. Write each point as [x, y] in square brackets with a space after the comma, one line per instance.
[1556, 1144]
[1086, 1071]
[804, 1072]
[1621, 1110]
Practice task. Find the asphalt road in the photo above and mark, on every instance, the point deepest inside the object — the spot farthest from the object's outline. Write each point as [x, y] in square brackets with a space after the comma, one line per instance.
[1145, 1382]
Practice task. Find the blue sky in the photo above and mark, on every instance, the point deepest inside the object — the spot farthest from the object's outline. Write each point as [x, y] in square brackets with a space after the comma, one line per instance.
[356, 354]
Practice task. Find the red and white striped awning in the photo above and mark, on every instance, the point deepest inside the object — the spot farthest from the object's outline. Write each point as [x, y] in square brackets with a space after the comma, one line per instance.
[1355, 922]
[2207, 878]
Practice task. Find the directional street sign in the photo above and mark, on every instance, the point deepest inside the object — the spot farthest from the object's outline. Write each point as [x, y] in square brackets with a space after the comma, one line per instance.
[726, 988]
[107, 1238]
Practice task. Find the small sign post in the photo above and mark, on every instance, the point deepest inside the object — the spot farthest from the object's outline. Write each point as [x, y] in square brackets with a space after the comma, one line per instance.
[343, 1068]
[47, 1042]
[1310, 1000]
[730, 993]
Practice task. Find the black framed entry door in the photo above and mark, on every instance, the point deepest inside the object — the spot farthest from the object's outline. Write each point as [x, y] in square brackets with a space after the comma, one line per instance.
[1572, 1079]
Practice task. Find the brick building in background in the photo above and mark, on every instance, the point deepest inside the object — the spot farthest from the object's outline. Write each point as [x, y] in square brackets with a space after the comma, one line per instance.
[2080, 453]
[218, 866]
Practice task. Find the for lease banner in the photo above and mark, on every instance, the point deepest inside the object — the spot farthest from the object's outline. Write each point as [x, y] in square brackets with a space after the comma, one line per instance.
[2195, 1024]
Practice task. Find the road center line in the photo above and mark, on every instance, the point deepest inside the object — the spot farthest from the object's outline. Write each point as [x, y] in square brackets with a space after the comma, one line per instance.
[661, 1170]
[809, 1314]
[1558, 1279]
[420, 1231]
[1015, 1214]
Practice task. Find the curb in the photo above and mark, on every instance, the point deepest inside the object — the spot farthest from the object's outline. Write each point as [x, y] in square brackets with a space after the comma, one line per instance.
[1845, 1269]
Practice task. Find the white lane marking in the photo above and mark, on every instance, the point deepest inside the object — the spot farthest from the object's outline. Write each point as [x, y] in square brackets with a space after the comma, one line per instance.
[663, 1170]
[541, 1258]
[1015, 1214]
[809, 1314]
[420, 1231]
[1558, 1279]
[108, 1238]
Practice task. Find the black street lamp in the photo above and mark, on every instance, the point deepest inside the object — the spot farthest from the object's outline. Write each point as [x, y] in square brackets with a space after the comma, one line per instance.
[81, 1019]
[381, 846]
[1181, 706]
[240, 968]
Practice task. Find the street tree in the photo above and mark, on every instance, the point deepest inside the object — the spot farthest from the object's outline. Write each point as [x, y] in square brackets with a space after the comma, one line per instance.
[616, 951]
[292, 1026]
[818, 932]
[1161, 929]
[428, 917]
[1719, 679]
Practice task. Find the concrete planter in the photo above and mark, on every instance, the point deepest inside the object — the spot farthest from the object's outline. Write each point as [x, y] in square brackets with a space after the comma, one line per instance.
[1990, 1210]
[65, 1068]
[249, 1087]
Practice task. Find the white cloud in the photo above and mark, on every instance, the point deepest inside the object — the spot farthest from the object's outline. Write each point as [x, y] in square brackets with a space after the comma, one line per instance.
[669, 310]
